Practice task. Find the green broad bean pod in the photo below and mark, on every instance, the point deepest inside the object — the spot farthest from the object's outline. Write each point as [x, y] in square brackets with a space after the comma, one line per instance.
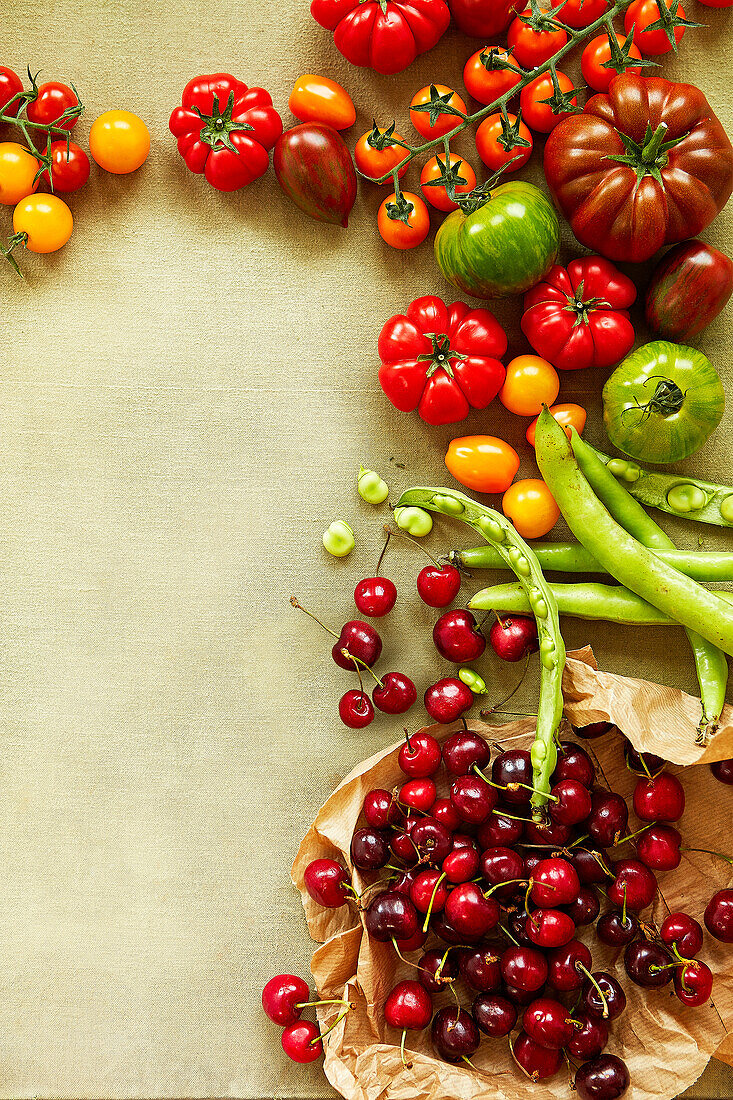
[519, 557]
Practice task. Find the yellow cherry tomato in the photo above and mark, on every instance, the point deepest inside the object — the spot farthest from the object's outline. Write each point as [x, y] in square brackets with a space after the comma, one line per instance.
[531, 507]
[570, 416]
[530, 383]
[17, 173]
[119, 142]
[45, 220]
[482, 462]
[320, 99]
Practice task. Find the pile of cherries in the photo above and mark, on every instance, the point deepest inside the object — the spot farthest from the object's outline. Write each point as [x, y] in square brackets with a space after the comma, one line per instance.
[488, 901]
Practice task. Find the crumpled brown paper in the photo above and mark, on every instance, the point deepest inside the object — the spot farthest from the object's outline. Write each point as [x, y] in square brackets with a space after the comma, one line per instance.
[665, 1044]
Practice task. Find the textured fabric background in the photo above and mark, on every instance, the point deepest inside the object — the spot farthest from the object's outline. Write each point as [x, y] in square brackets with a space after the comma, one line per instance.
[186, 392]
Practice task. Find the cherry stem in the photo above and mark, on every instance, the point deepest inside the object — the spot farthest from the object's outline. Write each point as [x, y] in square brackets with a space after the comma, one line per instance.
[511, 1051]
[313, 1004]
[407, 962]
[335, 1023]
[632, 836]
[296, 604]
[403, 535]
[508, 935]
[528, 787]
[358, 663]
[405, 1063]
[487, 712]
[513, 817]
[707, 852]
[584, 970]
[409, 742]
[623, 909]
[384, 550]
[477, 771]
[426, 923]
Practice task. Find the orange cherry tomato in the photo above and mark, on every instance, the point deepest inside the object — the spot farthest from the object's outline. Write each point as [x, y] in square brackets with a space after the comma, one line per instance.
[594, 58]
[570, 416]
[376, 162]
[46, 222]
[444, 123]
[538, 114]
[531, 507]
[641, 14]
[320, 99]
[530, 47]
[433, 170]
[482, 463]
[530, 383]
[17, 173]
[399, 233]
[486, 76]
[493, 153]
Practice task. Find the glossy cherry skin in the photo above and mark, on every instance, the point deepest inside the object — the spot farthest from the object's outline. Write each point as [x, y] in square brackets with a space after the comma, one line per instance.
[415, 942]
[461, 865]
[589, 866]
[538, 1062]
[613, 1002]
[427, 892]
[403, 847]
[519, 997]
[573, 762]
[585, 908]
[548, 928]
[381, 809]
[418, 794]
[517, 925]
[361, 640]
[683, 932]
[499, 830]
[391, 915]
[719, 916]
[283, 998]
[723, 771]
[457, 637]
[473, 798]
[589, 1039]
[563, 973]
[554, 882]
[512, 639]
[395, 694]
[446, 932]
[548, 1023]
[454, 1034]
[524, 967]
[408, 1006]
[615, 930]
[494, 1014]
[437, 970]
[326, 880]
[355, 709]
[369, 849]
[604, 1078]
[646, 964]
[659, 799]
[642, 763]
[608, 818]
[431, 840]
[693, 983]
[509, 769]
[445, 812]
[635, 882]
[437, 586]
[465, 750]
[375, 596]
[502, 865]
[447, 700]
[480, 969]
[420, 756]
[573, 802]
[547, 832]
[469, 912]
[302, 1041]
[402, 881]
[658, 848]
[593, 730]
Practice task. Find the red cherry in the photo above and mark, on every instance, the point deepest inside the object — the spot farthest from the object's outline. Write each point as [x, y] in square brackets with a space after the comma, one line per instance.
[611, 1004]
[375, 596]
[573, 762]
[647, 964]
[325, 880]
[683, 932]
[573, 803]
[634, 882]
[445, 812]
[437, 970]
[395, 694]
[593, 730]
[550, 928]
[457, 636]
[502, 865]
[284, 998]
[380, 809]
[469, 912]
[369, 849]
[603, 1078]
[642, 763]
[494, 1014]
[361, 640]
[524, 967]
[355, 709]
[480, 969]
[719, 916]
[408, 1006]
[615, 929]
[536, 1061]
[588, 1040]
[429, 891]
[513, 639]
[585, 908]
[608, 818]
[520, 997]
[419, 794]
[437, 586]
[590, 866]
[403, 846]
[420, 756]
[473, 798]
[447, 700]
[658, 848]
[723, 771]
[431, 840]
[499, 830]
[512, 770]
[391, 915]
[554, 882]
[415, 942]
[693, 983]
[563, 964]
[461, 865]
[661, 798]
[548, 1023]
[454, 1034]
[547, 833]
[302, 1041]
[465, 750]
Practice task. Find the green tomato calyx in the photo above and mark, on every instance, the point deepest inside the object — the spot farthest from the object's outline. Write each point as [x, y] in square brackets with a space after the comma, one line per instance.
[219, 124]
[647, 157]
[667, 400]
[441, 355]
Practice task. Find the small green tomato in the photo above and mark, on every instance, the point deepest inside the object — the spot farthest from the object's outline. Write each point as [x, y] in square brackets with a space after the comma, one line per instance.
[338, 539]
[372, 488]
[416, 521]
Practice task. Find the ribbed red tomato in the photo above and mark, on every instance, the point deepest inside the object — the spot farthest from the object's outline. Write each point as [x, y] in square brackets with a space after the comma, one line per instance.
[385, 35]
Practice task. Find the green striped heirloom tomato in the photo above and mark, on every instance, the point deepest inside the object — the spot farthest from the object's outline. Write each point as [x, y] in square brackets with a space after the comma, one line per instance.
[690, 272]
[662, 402]
[500, 242]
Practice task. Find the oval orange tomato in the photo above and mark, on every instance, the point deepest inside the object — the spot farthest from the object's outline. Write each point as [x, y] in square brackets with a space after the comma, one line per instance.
[320, 99]
[437, 195]
[530, 383]
[444, 123]
[408, 231]
[569, 416]
[482, 463]
[531, 507]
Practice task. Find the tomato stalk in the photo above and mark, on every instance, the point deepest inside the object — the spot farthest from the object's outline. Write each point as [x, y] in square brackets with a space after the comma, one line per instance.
[25, 125]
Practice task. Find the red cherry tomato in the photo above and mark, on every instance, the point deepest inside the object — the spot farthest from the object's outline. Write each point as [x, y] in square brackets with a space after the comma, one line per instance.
[376, 162]
[530, 47]
[641, 14]
[444, 123]
[531, 507]
[10, 86]
[569, 416]
[52, 100]
[581, 13]
[489, 73]
[594, 60]
[69, 168]
[717, 3]
[438, 196]
[493, 153]
[539, 114]
[407, 233]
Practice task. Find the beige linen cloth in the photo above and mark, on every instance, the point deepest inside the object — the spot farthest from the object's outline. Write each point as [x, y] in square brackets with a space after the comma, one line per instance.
[187, 390]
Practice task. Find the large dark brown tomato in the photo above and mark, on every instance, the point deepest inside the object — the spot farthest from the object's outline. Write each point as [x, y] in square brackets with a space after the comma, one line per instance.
[314, 168]
[643, 165]
[484, 18]
[691, 272]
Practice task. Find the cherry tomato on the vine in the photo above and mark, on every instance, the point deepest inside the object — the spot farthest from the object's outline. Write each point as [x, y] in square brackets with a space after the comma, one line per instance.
[320, 99]
[717, 3]
[489, 73]
[531, 507]
[594, 58]
[641, 14]
[69, 167]
[438, 196]
[45, 220]
[10, 86]
[493, 153]
[400, 233]
[483, 463]
[119, 141]
[530, 47]
[536, 111]
[376, 162]
[530, 383]
[568, 415]
[18, 170]
[444, 122]
[52, 100]
[581, 13]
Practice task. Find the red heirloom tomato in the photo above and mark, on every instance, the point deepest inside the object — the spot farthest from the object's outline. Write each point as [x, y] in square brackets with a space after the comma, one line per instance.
[595, 58]
[314, 168]
[489, 73]
[644, 165]
[577, 317]
[69, 167]
[484, 18]
[385, 35]
[691, 272]
[52, 99]
[10, 86]
[441, 360]
[225, 129]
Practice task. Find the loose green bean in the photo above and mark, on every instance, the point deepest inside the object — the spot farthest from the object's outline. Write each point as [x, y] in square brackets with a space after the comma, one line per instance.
[622, 555]
[571, 557]
[502, 534]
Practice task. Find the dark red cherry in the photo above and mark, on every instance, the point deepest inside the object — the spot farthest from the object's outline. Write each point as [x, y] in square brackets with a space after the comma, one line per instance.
[611, 1004]
[429, 891]
[548, 1023]
[432, 840]
[547, 832]
[469, 912]
[480, 969]
[375, 596]
[573, 762]
[513, 771]
[661, 798]
[536, 1061]
[369, 849]
[447, 700]
[494, 1014]
[445, 812]
[554, 882]
[683, 932]
[634, 882]
[585, 908]
[420, 756]
[437, 969]
[355, 709]
[604, 1078]
[593, 730]
[502, 865]
[642, 763]
[517, 925]
[326, 881]
[513, 639]
[473, 798]
[403, 847]
[457, 636]
[437, 586]
[394, 694]
[461, 865]
[563, 966]
[454, 1034]
[693, 983]
[530, 862]
[283, 998]
[446, 932]
[590, 866]
[415, 942]
[499, 830]
[573, 802]
[658, 848]
[647, 964]
[391, 915]
[519, 997]
[403, 880]
[524, 967]
[608, 817]
[548, 928]
[719, 916]
[361, 640]
[588, 1040]
[723, 771]
[380, 809]
[615, 930]
[409, 1006]
[465, 750]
